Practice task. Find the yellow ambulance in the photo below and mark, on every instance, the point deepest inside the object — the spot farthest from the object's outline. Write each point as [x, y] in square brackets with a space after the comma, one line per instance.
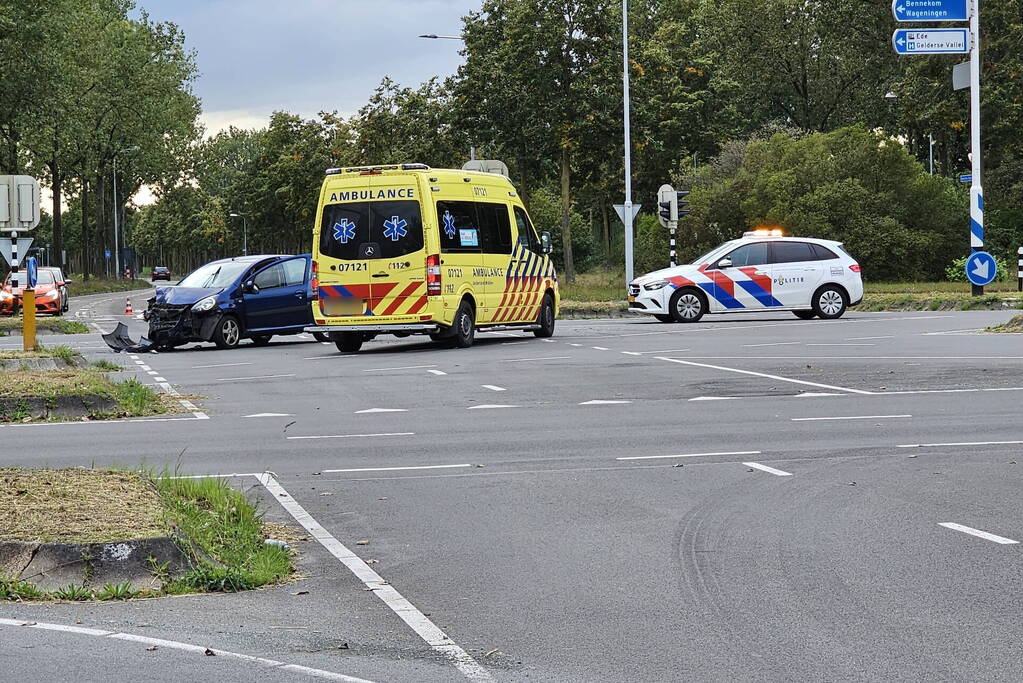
[408, 249]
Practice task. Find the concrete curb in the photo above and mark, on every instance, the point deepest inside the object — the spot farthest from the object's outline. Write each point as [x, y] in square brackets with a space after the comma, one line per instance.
[48, 363]
[39, 407]
[145, 563]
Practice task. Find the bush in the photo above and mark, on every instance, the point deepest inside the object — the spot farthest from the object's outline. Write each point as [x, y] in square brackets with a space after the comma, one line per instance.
[545, 210]
[957, 271]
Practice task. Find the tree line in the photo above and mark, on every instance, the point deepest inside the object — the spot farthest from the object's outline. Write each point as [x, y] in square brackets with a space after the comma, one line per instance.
[771, 111]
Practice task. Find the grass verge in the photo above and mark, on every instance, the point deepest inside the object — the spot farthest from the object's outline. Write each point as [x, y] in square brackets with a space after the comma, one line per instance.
[132, 398]
[64, 353]
[222, 526]
[102, 285]
[44, 324]
[219, 529]
[1013, 326]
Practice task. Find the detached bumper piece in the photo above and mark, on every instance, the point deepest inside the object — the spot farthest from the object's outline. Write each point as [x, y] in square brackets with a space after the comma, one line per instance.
[119, 341]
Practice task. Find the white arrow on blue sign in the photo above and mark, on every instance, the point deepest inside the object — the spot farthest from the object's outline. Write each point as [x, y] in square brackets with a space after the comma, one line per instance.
[933, 41]
[930, 10]
[967, 178]
[981, 268]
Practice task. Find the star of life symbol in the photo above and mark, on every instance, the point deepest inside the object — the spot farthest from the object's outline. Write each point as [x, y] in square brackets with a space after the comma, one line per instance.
[394, 229]
[344, 230]
[449, 225]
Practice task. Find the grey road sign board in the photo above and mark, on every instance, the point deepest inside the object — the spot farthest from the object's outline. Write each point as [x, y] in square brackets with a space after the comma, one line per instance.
[932, 41]
[19, 202]
[961, 76]
[24, 244]
[930, 10]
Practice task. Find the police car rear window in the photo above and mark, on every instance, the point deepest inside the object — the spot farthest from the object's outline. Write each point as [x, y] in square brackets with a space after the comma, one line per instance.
[371, 230]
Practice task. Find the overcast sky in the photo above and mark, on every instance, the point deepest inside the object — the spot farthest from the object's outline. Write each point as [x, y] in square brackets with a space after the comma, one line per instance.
[306, 56]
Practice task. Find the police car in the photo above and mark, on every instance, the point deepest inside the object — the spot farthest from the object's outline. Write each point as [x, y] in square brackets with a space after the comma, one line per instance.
[763, 271]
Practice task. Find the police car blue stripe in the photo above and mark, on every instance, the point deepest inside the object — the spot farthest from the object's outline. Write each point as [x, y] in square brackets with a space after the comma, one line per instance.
[759, 293]
[726, 299]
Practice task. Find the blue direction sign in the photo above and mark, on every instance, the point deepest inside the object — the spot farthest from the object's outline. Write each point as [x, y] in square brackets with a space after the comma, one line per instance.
[932, 41]
[981, 268]
[106, 254]
[31, 271]
[966, 178]
[930, 10]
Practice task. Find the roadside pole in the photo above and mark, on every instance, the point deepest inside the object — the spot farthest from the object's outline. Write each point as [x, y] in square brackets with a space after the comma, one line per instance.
[19, 212]
[627, 215]
[28, 307]
[976, 188]
[1019, 269]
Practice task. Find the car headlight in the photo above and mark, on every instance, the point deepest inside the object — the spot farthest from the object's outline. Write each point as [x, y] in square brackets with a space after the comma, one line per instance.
[6, 296]
[207, 304]
[53, 294]
[654, 286]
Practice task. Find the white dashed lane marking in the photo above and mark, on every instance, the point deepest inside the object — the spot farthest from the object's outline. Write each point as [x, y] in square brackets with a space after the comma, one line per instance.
[851, 417]
[769, 470]
[978, 533]
[493, 388]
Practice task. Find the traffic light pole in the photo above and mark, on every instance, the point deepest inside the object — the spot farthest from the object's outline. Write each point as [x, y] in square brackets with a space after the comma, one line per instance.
[673, 226]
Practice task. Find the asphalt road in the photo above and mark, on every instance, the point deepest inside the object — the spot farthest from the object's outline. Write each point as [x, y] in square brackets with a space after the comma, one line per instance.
[747, 498]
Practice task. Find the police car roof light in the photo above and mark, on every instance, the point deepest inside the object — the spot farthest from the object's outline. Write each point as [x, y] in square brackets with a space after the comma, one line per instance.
[765, 232]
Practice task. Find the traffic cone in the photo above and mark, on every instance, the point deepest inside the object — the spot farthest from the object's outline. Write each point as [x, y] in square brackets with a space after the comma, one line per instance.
[127, 307]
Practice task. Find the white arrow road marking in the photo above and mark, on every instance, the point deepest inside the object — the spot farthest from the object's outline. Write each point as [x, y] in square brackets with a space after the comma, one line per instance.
[978, 533]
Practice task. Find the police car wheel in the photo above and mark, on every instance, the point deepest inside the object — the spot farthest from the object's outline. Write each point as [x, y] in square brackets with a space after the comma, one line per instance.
[546, 319]
[804, 315]
[349, 342]
[687, 306]
[228, 333]
[664, 318]
[829, 303]
[465, 327]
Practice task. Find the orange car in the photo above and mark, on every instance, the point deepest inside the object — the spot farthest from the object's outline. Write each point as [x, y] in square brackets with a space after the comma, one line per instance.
[49, 296]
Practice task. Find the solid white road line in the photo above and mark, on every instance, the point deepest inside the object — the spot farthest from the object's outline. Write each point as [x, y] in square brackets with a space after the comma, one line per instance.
[765, 375]
[395, 469]
[489, 407]
[270, 415]
[754, 346]
[856, 417]
[218, 365]
[416, 620]
[493, 388]
[715, 398]
[978, 533]
[381, 410]
[869, 338]
[769, 470]
[349, 436]
[946, 391]
[406, 367]
[186, 647]
[650, 353]
[816, 394]
[841, 344]
[333, 355]
[529, 360]
[686, 455]
[439, 373]
[246, 379]
[973, 443]
[599, 402]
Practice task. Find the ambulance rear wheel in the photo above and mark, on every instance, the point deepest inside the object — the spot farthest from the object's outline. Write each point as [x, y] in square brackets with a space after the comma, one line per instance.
[465, 327]
[349, 342]
[320, 337]
[546, 319]
[687, 306]
[804, 315]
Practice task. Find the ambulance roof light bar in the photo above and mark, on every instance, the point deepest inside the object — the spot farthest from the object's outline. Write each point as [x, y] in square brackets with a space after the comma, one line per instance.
[374, 170]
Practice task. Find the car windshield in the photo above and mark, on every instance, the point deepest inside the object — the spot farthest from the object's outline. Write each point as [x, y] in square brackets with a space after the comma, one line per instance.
[43, 277]
[215, 274]
[706, 258]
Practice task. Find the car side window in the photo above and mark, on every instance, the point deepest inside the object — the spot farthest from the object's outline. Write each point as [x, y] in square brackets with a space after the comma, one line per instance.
[791, 252]
[269, 278]
[749, 255]
[527, 234]
[294, 272]
[823, 253]
[459, 228]
[495, 227]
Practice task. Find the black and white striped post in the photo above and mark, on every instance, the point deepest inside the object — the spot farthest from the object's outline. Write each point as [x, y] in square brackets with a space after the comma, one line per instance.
[674, 260]
[1019, 269]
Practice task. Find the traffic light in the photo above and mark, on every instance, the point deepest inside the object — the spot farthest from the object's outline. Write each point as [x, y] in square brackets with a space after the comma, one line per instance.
[681, 204]
[667, 205]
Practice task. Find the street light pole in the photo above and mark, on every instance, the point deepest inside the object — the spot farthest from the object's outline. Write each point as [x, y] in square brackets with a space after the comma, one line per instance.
[245, 232]
[627, 217]
[117, 234]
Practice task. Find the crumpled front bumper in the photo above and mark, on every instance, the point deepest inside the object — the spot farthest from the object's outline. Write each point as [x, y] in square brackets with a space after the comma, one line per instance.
[171, 324]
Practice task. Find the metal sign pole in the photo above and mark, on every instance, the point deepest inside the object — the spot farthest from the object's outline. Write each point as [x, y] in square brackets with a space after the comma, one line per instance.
[628, 216]
[976, 189]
